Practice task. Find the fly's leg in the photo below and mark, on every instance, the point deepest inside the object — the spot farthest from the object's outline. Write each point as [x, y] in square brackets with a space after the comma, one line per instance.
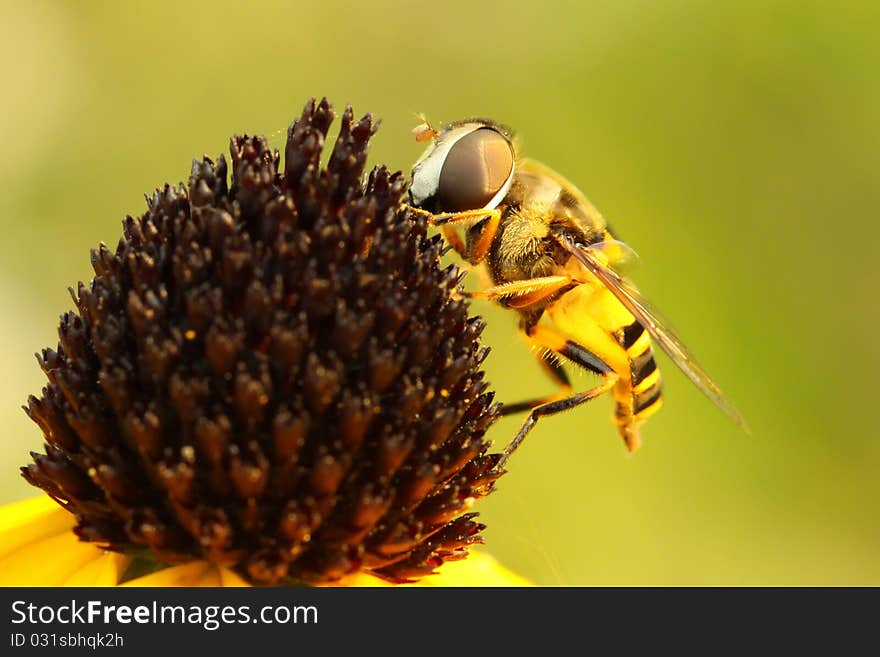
[454, 240]
[581, 357]
[554, 370]
[552, 408]
[521, 294]
[480, 248]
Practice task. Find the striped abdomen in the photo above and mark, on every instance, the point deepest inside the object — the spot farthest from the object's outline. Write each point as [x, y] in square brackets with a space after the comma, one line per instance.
[646, 382]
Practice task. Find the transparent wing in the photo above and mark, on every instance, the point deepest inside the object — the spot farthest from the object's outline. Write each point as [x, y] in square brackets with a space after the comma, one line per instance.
[544, 186]
[648, 316]
[618, 256]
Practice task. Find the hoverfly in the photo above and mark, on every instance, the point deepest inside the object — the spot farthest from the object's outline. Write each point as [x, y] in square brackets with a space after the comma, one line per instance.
[550, 256]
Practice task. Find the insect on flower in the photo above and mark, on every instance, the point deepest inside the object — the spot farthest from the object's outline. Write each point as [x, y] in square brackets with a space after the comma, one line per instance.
[548, 254]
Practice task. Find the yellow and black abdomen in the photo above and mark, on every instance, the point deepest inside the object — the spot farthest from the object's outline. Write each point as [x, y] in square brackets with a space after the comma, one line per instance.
[595, 319]
[646, 381]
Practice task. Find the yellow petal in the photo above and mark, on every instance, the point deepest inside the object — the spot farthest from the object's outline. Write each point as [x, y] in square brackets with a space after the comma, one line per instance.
[103, 571]
[29, 520]
[38, 548]
[195, 573]
[47, 561]
[231, 578]
[478, 569]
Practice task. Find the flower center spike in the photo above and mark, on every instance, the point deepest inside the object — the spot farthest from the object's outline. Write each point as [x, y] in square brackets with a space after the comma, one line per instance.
[270, 372]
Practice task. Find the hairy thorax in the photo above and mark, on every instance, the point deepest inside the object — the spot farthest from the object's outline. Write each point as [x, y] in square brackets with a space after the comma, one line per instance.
[523, 248]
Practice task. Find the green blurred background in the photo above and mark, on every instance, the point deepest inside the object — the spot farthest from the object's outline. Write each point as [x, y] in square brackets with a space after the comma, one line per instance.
[736, 148]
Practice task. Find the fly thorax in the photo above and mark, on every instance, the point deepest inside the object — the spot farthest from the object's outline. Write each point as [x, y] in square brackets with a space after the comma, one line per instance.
[523, 247]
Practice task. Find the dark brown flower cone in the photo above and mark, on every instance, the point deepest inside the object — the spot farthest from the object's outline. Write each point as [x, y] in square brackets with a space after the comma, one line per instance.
[272, 375]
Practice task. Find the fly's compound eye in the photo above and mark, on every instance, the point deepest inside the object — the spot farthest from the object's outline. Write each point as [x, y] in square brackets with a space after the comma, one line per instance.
[475, 170]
